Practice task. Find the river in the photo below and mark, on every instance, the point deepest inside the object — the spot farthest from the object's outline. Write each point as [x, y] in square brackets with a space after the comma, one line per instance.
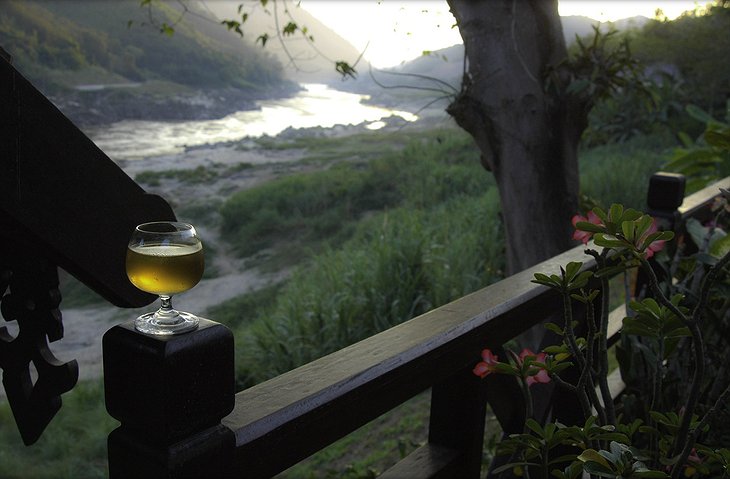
[316, 105]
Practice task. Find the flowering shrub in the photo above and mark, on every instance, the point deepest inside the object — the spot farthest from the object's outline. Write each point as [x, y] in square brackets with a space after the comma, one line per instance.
[659, 334]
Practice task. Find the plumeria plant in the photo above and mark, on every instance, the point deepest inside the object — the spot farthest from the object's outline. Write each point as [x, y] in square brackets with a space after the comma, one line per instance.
[666, 438]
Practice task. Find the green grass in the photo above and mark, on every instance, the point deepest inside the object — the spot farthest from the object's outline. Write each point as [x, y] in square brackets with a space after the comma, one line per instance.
[619, 173]
[372, 448]
[200, 212]
[439, 239]
[301, 211]
[245, 308]
[398, 265]
[198, 175]
[73, 446]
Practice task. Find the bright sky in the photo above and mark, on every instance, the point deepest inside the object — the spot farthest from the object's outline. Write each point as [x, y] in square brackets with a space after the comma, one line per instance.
[398, 31]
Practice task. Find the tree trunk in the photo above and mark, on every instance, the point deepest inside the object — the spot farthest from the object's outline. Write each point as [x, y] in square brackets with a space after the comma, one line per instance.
[527, 135]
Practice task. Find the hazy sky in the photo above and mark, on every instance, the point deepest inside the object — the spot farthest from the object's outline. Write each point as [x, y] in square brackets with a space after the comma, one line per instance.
[396, 31]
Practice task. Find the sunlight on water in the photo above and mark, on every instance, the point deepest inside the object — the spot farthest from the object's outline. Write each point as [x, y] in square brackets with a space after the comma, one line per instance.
[317, 105]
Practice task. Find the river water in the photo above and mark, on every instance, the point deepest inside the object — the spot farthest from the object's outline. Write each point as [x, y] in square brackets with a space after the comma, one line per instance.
[316, 105]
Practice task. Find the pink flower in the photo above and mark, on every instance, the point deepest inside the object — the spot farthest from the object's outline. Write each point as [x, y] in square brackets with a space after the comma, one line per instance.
[584, 236]
[654, 246]
[483, 368]
[693, 461]
[542, 375]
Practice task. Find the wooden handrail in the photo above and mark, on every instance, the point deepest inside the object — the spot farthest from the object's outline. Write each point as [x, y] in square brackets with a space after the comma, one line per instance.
[284, 420]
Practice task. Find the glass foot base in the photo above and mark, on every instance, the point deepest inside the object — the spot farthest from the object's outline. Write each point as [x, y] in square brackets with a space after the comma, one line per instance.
[166, 324]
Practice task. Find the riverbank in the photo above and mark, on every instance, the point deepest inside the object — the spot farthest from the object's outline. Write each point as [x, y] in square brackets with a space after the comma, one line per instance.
[104, 104]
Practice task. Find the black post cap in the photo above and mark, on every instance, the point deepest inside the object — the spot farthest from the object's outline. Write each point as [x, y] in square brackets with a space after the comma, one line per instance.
[169, 387]
[666, 191]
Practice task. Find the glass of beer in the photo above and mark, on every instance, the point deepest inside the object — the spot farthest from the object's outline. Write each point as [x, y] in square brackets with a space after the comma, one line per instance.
[165, 258]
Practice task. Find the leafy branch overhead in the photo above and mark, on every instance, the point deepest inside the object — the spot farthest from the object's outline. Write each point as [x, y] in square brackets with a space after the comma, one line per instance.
[283, 32]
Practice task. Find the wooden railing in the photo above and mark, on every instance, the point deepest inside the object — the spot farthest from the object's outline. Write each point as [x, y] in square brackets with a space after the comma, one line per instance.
[193, 426]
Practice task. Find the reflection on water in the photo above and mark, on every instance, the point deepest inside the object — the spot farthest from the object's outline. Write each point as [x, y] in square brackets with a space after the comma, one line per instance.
[317, 105]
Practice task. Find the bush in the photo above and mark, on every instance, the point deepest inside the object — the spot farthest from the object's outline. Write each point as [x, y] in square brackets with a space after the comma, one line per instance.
[620, 172]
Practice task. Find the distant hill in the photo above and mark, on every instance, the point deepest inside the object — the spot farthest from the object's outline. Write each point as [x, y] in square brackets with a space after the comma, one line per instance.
[314, 62]
[446, 65]
[102, 53]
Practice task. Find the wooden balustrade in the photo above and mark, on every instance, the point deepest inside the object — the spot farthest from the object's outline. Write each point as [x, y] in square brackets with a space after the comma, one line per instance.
[280, 422]
[63, 202]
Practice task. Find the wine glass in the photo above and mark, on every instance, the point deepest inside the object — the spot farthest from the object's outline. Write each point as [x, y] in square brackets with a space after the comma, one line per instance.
[165, 258]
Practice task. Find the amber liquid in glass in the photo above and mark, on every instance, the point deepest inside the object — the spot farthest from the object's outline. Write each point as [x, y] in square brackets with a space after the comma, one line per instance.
[165, 269]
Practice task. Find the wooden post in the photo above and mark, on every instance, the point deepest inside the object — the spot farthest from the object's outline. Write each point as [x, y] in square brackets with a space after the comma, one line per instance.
[664, 196]
[458, 409]
[170, 394]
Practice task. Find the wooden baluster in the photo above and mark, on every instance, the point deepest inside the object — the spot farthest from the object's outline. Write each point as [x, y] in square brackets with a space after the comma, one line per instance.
[458, 409]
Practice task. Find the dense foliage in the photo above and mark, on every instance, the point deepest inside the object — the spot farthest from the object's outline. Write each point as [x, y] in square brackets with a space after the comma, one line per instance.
[693, 49]
[679, 63]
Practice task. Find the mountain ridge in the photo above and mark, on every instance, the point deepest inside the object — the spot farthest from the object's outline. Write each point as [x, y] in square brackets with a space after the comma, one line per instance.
[200, 71]
[445, 66]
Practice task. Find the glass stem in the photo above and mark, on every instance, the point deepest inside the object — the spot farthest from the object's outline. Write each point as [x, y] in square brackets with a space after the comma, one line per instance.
[166, 311]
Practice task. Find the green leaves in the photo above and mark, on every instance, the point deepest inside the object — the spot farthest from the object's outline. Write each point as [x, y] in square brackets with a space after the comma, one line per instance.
[536, 444]
[167, 29]
[622, 229]
[345, 69]
[592, 432]
[590, 455]
[289, 29]
[589, 227]
[625, 229]
[655, 321]
[619, 462]
[233, 25]
[707, 159]
[714, 240]
[570, 279]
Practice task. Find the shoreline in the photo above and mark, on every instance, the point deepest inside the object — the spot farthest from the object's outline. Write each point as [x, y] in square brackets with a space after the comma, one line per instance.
[106, 104]
[85, 325]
